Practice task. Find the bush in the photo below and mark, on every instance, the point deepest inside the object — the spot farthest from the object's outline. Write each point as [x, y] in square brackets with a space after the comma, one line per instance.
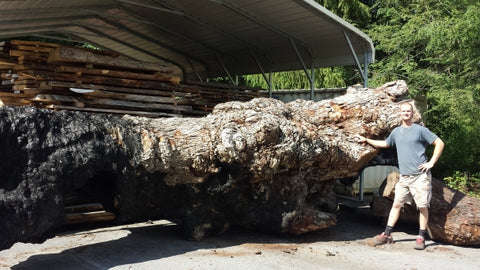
[465, 182]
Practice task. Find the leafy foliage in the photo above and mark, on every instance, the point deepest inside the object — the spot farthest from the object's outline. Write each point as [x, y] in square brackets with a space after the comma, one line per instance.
[324, 77]
[464, 182]
[354, 11]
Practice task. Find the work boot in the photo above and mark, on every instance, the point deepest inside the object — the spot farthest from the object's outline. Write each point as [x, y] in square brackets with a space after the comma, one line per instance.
[420, 243]
[383, 239]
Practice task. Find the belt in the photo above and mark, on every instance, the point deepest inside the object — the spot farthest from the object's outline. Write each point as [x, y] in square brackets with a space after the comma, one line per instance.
[410, 175]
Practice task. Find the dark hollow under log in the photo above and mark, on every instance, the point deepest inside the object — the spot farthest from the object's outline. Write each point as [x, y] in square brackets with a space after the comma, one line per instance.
[260, 164]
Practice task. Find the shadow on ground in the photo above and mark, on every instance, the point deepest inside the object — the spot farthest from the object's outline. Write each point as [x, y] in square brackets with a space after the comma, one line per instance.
[154, 242]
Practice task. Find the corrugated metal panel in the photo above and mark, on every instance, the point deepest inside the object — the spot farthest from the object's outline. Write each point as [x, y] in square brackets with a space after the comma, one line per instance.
[200, 35]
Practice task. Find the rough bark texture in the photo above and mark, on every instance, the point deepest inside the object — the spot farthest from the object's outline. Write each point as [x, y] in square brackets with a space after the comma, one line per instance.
[261, 164]
[454, 217]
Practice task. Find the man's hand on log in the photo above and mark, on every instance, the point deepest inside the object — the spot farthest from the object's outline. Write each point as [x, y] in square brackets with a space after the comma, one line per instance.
[360, 138]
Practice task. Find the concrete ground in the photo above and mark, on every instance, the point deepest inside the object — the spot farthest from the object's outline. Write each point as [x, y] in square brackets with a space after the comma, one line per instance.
[160, 245]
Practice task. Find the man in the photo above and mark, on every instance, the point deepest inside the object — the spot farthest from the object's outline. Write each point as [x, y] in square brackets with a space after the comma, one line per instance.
[410, 140]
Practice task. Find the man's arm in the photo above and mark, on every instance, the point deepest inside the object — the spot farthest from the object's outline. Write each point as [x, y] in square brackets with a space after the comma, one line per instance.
[374, 143]
[437, 152]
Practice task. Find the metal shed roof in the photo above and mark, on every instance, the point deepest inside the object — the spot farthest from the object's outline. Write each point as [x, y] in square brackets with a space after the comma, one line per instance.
[205, 38]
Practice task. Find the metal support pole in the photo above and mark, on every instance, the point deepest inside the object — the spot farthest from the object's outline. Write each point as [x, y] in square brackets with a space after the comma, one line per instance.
[194, 70]
[365, 69]
[360, 187]
[312, 83]
[270, 79]
[309, 76]
[225, 68]
[267, 80]
[352, 50]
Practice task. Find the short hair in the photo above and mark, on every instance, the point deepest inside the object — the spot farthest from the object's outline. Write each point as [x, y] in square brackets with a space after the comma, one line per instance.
[407, 103]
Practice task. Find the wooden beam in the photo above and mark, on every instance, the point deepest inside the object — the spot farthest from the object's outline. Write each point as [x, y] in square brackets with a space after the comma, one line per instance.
[86, 207]
[165, 90]
[109, 103]
[157, 76]
[113, 111]
[74, 55]
[97, 216]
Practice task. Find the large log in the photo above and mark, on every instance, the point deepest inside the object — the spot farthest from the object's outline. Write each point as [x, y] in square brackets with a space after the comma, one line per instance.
[454, 217]
[260, 164]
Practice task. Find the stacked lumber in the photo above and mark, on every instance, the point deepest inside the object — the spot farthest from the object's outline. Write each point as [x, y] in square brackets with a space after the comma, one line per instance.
[63, 77]
[77, 210]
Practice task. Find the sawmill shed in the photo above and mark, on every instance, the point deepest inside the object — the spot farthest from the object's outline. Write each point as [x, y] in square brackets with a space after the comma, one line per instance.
[205, 38]
[190, 41]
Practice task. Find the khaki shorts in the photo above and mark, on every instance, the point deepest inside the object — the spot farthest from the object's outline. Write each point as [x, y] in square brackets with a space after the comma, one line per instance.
[417, 187]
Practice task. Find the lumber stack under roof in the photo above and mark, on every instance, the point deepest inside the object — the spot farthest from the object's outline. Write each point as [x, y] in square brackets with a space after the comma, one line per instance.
[63, 77]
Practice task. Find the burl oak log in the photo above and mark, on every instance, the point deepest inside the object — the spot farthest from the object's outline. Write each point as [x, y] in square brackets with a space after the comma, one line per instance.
[454, 217]
[261, 164]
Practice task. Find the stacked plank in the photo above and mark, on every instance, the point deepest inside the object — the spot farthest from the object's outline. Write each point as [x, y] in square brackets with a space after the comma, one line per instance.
[78, 209]
[70, 78]
[87, 213]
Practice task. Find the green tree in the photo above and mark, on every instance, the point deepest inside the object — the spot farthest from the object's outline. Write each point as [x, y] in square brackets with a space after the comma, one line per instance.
[433, 45]
[324, 77]
[354, 11]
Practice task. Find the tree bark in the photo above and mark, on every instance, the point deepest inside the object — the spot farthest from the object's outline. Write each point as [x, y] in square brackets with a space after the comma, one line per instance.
[260, 164]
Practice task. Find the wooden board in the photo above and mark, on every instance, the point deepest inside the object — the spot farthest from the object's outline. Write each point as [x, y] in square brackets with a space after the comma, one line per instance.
[156, 76]
[44, 75]
[74, 55]
[106, 102]
[113, 111]
[97, 216]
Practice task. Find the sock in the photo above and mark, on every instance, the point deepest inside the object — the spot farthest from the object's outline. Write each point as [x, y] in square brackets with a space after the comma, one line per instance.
[388, 230]
[422, 233]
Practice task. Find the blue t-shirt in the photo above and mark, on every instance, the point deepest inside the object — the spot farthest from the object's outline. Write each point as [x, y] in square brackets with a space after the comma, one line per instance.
[410, 144]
